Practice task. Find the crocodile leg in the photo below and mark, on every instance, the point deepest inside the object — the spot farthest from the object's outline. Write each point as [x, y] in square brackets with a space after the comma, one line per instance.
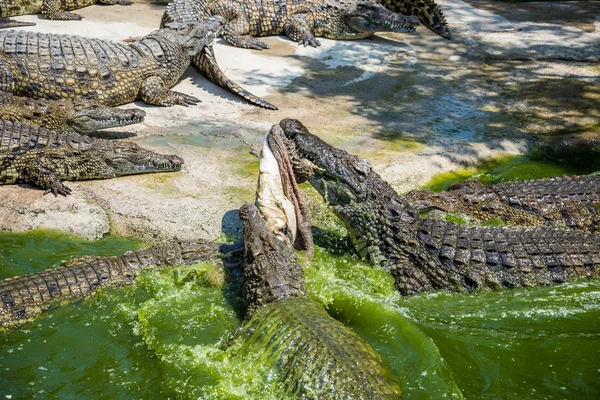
[48, 168]
[238, 27]
[11, 23]
[51, 9]
[155, 91]
[40, 174]
[32, 168]
[299, 29]
[206, 64]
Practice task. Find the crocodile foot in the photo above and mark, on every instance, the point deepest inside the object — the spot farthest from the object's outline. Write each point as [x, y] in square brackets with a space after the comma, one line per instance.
[183, 99]
[124, 2]
[57, 187]
[64, 16]
[309, 41]
[250, 42]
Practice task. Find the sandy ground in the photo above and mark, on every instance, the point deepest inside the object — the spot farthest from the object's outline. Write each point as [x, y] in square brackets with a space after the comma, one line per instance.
[415, 105]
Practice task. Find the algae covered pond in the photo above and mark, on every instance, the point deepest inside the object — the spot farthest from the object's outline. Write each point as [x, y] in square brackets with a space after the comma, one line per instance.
[163, 337]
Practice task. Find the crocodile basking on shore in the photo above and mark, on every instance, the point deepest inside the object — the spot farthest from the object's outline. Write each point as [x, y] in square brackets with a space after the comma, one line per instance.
[428, 254]
[312, 355]
[51, 9]
[55, 66]
[571, 201]
[300, 20]
[64, 116]
[35, 155]
[427, 11]
[24, 297]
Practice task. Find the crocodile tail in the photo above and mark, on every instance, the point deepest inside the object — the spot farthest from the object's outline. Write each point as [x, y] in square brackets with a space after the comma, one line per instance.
[206, 64]
[11, 23]
[427, 11]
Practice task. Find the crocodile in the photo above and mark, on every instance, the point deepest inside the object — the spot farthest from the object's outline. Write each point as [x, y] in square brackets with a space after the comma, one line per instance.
[51, 9]
[64, 116]
[571, 201]
[310, 354]
[29, 154]
[53, 66]
[300, 20]
[23, 298]
[424, 254]
[178, 14]
[427, 11]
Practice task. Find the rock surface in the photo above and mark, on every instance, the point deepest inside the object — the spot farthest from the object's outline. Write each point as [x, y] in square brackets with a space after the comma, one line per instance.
[416, 105]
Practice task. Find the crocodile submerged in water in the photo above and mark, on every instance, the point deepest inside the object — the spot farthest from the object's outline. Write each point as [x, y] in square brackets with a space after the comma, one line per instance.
[428, 254]
[312, 355]
[64, 116]
[24, 297]
[51, 9]
[300, 20]
[55, 66]
[35, 155]
[571, 201]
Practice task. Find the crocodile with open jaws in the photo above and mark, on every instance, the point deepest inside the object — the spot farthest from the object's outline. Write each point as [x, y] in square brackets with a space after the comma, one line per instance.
[51, 9]
[300, 20]
[55, 66]
[64, 116]
[35, 155]
[23, 298]
[428, 254]
[571, 201]
[311, 354]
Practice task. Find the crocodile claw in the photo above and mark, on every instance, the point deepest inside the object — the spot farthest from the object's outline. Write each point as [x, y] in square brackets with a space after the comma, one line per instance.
[185, 100]
[65, 16]
[257, 45]
[310, 42]
[58, 188]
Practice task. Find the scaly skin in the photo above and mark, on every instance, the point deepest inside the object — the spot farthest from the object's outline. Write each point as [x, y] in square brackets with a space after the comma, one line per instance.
[432, 254]
[23, 298]
[182, 13]
[301, 20]
[51, 9]
[65, 66]
[44, 158]
[65, 116]
[313, 355]
[571, 201]
[427, 11]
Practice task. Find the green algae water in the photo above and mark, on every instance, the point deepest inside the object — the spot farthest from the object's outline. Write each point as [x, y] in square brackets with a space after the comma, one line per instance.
[166, 335]
[505, 169]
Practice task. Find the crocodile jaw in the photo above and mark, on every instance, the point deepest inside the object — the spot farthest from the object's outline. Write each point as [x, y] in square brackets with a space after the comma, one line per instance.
[100, 117]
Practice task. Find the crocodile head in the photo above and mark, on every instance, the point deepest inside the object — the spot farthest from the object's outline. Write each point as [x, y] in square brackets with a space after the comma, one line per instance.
[126, 158]
[96, 117]
[340, 177]
[199, 35]
[271, 271]
[365, 19]
[374, 214]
